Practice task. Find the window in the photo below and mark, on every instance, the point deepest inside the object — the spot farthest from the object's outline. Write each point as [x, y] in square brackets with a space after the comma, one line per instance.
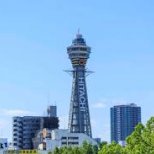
[64, 138]
[73, 138]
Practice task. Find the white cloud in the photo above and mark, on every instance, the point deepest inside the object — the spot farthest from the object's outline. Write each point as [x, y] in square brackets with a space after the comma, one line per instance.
[15, 112]
[104, 103]
[119, 102]
[99, 105]
[3, 123]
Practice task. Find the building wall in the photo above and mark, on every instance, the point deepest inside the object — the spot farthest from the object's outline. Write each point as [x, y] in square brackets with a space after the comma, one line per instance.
[124, 118]
[3, 143]
[62, 137]
[49, 122]
[52, 111]
[30, 126]
[25, 129]
[17, 132]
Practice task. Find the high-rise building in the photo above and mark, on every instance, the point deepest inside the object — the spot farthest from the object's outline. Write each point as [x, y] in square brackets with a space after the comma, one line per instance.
[52, 111]
[79, 117]
[26, 127]
[124, 118]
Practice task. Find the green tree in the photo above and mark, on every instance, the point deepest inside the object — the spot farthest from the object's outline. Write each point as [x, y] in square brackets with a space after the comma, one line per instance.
[77, 150]
[95, 149]
[56, 151]
[141, 141]
[87, 148]
[112, 148]
[100, 146]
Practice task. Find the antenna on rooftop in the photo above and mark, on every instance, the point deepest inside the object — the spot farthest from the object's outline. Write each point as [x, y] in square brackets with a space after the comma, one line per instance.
[48, 98]
[78, 31]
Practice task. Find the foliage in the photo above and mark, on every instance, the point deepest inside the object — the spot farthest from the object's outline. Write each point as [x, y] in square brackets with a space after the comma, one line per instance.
[86, 148]
[141, 141]
[112, 148]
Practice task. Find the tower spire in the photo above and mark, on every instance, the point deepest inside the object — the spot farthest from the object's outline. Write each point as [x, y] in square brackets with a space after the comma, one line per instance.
[78, 35]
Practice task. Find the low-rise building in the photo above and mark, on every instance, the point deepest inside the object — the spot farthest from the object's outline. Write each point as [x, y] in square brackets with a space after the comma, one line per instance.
[62, 137]
[3, 143]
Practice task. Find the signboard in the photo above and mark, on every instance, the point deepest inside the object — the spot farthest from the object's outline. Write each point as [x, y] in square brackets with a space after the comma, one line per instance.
[82, 93]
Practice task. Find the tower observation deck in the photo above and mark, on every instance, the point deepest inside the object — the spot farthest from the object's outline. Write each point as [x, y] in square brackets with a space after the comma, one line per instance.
[79, 117]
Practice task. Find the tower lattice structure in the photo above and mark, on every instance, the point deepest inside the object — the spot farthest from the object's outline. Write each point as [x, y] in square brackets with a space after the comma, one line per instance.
[79, 116]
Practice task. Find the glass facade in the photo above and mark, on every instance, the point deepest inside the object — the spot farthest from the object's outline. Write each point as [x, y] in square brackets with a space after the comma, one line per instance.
[124, 118]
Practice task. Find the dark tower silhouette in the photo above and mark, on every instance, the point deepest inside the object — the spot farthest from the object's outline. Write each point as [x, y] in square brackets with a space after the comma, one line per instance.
[79, 117]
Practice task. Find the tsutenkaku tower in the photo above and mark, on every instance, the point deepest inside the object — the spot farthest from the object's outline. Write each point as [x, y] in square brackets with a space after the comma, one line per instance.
[79, 117]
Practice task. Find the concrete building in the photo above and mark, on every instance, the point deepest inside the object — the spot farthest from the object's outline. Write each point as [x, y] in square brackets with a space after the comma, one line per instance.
[52, 111]
[124, 118]
[61, 137]
[26, 127]
[3, 143]
[79, 116]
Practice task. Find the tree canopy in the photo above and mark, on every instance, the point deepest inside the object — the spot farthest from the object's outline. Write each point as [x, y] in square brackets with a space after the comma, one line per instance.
[141, 141]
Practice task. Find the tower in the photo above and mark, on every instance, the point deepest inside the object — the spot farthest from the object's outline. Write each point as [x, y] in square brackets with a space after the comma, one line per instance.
[124, 118]
[79, 117]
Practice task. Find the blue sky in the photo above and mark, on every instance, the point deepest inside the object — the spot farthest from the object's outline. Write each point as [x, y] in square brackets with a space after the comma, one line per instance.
[33, 40]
